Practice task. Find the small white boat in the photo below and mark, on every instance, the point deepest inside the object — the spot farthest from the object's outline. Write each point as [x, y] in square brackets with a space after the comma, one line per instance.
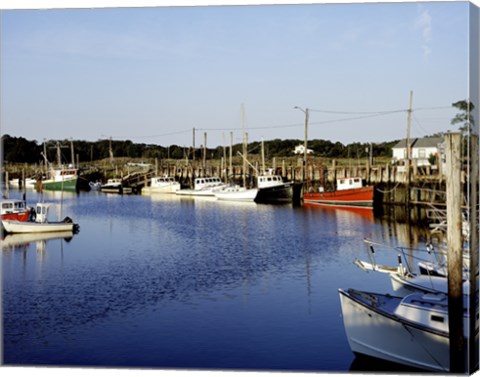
[41, 223]
[410, 330]
[95, 186]
[115, 186]
[236, 193]
[162, 185]
[206, 186]
[16, 183]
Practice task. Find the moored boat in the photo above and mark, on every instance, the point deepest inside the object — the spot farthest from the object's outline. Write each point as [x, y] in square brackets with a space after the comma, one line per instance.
[272, 189]
[41, 223]
[411, 330]
[236, 193]
[59, 179]
[349, 192]
[162, 185]
[13, 209]
[204, 186]
[115, 186]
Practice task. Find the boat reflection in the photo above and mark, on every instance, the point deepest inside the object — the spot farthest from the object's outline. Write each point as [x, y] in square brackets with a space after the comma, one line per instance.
[368, 364]
[23, 240]
[352, 213]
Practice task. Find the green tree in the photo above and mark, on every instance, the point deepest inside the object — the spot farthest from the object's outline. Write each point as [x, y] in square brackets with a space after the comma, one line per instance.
[464, 118]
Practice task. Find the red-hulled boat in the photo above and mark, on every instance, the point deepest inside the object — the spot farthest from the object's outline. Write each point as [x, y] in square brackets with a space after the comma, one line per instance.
[349, 193]
[12, 209]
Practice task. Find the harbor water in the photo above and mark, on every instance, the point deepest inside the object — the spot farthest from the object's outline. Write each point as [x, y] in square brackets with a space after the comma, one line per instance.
[172, 282]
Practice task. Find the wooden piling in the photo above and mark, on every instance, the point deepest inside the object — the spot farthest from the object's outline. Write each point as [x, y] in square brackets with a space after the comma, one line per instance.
[454, 239]
[474, 181]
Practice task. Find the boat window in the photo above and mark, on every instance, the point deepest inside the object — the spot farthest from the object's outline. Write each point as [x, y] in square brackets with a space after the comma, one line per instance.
[342, 181]
[437, 318]
[6, 205]
[356, 180]
[19, 205]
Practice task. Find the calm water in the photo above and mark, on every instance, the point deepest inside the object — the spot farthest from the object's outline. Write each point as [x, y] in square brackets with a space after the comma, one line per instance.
[172, 282]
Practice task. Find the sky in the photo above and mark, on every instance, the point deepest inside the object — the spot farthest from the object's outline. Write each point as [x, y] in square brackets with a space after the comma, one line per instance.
[153, 74]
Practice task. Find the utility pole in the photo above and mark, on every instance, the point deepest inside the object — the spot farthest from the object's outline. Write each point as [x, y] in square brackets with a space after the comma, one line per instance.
[193, 145]
[453, 142]
[408, 156]
[230, 167]
[204, 154]
[244, 147]
[305, 143]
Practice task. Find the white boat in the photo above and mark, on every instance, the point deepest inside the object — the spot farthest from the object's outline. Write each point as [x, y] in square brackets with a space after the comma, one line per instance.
[410, 330]
[206, 186]
[115, 186]
[236, 193]
[41, 223]
[162, 185]
[95, 186]
[16, 183]
[272, 189]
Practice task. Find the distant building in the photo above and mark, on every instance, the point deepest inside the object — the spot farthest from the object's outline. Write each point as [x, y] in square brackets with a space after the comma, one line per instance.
[420, 149]
[300, 149]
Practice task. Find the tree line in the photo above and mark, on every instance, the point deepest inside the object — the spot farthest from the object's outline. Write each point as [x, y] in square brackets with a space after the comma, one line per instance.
[21, 150]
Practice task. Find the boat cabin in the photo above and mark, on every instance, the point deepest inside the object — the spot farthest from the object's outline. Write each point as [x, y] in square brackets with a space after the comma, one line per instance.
[13, 206]
[207, 182]
[269, 181]
[163, 181]
[42, 213]
[349, 183]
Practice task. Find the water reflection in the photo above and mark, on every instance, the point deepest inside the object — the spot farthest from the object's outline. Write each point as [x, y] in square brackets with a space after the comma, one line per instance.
[190, 283]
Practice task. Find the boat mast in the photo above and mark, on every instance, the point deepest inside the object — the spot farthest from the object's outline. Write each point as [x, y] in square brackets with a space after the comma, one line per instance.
[244, 147]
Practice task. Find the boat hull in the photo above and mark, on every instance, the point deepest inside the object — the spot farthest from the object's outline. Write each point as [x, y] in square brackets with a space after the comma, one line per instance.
[237, 195]
[13, 226]
[358, 197]
[20, 216]
[65, 185]
[278, 194]
[161, 190]
[374, 332]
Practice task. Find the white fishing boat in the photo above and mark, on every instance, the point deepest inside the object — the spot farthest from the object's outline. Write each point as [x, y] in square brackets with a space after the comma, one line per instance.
[410, 330]
[115, 186]
[17, 183]
[162, 185]
[236, 193]
[41, 223]
[205, 186]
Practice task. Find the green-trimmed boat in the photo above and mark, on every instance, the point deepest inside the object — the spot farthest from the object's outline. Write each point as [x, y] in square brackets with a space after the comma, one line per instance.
[59, 179]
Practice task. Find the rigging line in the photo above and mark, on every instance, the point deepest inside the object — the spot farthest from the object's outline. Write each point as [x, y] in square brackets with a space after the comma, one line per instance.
[301, 124]
[418, 124]
[358, 112]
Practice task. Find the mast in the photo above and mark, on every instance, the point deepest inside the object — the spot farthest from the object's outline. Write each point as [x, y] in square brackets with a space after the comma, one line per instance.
[244, 147]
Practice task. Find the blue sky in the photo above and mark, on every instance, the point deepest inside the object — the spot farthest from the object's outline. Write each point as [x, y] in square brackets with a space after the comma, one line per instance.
[151, 75]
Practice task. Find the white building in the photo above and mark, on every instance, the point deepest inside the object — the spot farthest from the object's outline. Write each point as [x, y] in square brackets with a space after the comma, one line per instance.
[300, 149]
[420, 149]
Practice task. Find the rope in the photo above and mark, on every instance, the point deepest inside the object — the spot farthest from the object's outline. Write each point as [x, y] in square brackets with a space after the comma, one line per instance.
[387, 191]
